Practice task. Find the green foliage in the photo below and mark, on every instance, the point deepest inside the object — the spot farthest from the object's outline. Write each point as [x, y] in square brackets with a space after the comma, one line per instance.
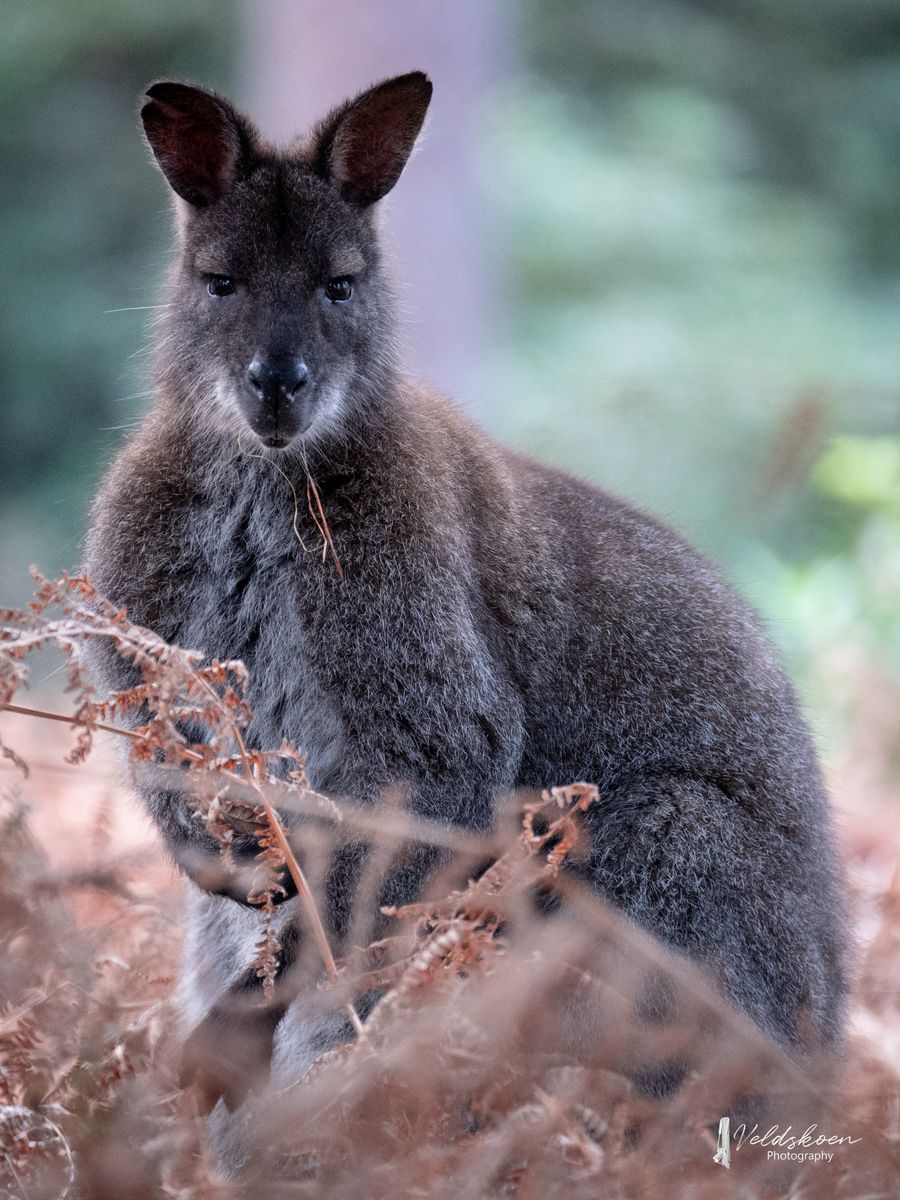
[862, 471]
[83, 230]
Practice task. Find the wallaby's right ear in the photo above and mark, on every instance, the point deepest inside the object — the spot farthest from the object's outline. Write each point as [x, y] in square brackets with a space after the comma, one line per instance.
[201, 144]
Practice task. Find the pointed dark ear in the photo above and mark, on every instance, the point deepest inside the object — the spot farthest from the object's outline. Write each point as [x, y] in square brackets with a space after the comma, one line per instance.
[201, 144]
[363, 146]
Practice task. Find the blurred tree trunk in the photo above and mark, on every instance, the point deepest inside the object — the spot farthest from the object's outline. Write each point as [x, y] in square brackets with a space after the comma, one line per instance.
[304, 56]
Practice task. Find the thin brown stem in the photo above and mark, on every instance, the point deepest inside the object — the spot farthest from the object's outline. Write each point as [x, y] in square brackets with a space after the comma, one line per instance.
[49, 716]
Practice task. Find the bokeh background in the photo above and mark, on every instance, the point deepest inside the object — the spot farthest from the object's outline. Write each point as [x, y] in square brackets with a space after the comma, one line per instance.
[655, 241]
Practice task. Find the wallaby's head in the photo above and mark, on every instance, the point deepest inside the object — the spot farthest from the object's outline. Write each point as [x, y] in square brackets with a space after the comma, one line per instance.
[278, 313]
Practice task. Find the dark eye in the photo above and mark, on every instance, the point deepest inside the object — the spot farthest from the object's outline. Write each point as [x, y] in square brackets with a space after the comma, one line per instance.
[220, 285]
[339, 290]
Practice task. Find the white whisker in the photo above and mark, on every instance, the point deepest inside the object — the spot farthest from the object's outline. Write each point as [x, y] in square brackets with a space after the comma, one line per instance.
[134, 396]
[136, 308]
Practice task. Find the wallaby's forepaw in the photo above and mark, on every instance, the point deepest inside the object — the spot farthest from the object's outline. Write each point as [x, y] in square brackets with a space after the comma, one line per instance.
[244, 879]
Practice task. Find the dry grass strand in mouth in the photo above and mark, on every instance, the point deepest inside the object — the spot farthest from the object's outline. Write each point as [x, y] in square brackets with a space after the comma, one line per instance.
[320, 520]
[313, 504]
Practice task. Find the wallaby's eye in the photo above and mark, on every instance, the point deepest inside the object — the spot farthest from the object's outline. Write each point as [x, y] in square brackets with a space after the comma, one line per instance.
[339, 290]
[220, 285]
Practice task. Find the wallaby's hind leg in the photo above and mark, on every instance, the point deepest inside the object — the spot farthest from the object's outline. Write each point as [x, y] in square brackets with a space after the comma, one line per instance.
[753, 902]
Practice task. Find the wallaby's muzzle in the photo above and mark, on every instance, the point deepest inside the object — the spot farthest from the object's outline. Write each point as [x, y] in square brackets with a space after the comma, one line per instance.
[276, 401]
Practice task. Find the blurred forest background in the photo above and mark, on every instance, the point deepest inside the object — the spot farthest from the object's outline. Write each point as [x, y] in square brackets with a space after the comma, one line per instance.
[656, 241]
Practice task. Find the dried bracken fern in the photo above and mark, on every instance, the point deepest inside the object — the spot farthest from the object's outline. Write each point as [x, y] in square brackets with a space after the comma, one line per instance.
[176, 690]
[471, 1075]
[458, 934]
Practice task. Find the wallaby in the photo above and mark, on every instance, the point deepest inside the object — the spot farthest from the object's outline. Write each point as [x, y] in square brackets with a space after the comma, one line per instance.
[495, 624]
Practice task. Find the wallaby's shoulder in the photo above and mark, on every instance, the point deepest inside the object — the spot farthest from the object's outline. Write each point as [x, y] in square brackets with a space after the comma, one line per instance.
[152, 517]
[149, 475]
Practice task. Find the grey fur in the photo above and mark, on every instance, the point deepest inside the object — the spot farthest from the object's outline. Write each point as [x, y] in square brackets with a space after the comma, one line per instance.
[499, 624]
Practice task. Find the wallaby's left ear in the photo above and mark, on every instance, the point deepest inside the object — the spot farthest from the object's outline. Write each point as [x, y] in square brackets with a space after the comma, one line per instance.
[363, 146]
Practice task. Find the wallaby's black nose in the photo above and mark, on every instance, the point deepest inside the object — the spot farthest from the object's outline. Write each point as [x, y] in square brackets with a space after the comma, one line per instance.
[277, 378]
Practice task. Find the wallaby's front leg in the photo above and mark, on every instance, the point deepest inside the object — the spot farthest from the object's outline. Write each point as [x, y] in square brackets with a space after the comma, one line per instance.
[228, 1054]
[228, 1049]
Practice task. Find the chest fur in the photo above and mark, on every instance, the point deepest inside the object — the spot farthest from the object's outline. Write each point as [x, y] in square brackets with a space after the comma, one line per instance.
[381, 671]
[223, 572]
